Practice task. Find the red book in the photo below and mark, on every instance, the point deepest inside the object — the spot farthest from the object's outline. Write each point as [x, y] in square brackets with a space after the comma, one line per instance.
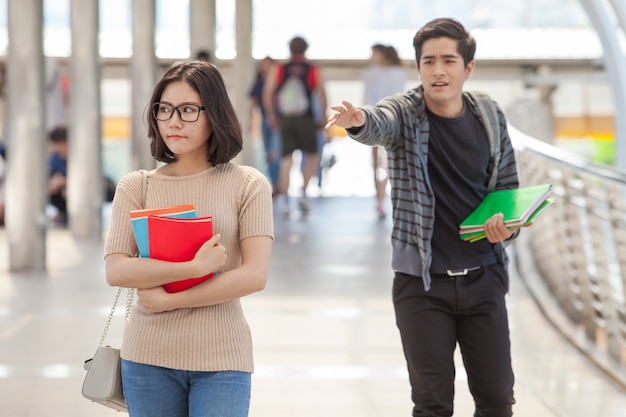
[139, 221]
[178, 240]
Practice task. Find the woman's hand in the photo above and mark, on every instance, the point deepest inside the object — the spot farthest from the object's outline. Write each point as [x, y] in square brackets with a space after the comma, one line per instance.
[210, 257]
[154, 300]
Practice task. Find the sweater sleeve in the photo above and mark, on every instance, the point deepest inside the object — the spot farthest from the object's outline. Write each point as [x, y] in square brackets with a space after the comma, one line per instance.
[386, 122]
[255, 215]
[377, 129]
[119, 237]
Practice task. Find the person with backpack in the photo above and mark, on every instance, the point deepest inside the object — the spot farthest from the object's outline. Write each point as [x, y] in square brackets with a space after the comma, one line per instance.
[287, 98]
[447, 149]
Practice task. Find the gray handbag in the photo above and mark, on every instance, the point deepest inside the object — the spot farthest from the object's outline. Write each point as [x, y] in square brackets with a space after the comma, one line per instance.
[103, 382]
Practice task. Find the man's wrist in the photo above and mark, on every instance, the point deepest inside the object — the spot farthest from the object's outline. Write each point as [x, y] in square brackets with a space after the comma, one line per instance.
[355, 129]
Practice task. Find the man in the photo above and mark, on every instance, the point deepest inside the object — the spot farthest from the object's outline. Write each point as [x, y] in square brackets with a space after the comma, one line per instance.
[57, 168]
[288, 98]
[446, 291]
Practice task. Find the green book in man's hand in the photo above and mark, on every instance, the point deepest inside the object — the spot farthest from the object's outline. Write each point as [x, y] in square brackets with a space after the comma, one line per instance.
[517, 205]
[479, 235]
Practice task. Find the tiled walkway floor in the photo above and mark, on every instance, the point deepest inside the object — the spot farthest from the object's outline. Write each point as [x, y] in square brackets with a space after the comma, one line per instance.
[326, 342]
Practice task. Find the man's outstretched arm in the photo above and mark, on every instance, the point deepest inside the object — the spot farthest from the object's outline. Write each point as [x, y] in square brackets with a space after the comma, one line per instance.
[346, 115]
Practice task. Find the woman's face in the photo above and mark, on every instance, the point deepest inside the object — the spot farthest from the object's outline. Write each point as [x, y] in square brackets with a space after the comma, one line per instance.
[378, 57]
[184, 138]
[266, 65]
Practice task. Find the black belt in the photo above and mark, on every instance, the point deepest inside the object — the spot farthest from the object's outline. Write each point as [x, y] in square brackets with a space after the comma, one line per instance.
[454, 272]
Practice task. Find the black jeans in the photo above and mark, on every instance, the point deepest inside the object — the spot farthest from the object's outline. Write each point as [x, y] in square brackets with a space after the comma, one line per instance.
[470, 310]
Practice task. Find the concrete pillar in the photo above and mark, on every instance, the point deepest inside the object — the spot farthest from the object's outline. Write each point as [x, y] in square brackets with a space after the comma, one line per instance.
[202, 24]
[85, 183]
[26, 182]
[143, 67]
[243, 73]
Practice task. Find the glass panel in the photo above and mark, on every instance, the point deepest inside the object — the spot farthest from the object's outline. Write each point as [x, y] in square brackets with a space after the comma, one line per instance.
[4, 28]
[57, 37]
[172, 28]
[502, 32]
[115, 28]
[346, 29]
[225, 38]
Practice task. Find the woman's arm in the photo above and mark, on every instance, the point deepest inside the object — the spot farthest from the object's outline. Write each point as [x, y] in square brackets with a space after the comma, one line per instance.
[248, 278]
[123, 270]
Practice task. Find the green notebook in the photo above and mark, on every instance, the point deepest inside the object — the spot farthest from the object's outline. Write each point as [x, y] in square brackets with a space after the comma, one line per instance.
[476, 236]
[517, 205]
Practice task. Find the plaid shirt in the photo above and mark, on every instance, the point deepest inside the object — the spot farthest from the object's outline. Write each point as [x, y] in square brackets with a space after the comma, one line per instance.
[400, 124]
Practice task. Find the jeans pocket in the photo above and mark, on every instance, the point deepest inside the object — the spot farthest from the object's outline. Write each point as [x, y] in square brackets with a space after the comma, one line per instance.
[500, 275]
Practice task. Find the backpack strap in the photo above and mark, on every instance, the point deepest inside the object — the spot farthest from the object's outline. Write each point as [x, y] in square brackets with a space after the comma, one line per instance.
[489, 115]
[280, 75]
[283, 71]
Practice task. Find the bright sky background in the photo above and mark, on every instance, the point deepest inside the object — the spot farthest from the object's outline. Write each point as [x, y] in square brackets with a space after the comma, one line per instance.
[342, 29]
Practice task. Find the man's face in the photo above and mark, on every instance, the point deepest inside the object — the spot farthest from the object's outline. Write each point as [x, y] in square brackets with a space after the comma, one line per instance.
[443, 74]
[60, 148]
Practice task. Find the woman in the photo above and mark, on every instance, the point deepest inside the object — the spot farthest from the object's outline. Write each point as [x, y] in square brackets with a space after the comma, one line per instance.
[383, 77]
[190, 353]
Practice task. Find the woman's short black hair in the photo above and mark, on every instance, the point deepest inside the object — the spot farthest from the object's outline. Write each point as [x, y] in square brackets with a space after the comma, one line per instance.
[226, 139]
[446, 28]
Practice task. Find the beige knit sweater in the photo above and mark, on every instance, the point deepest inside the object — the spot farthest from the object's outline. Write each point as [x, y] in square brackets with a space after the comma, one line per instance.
[210, 338]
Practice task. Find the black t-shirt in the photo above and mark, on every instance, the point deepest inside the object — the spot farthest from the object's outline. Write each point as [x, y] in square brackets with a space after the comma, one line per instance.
[458, 158]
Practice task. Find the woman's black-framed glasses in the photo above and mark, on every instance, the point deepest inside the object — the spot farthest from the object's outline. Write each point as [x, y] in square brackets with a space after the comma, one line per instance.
[186, 112]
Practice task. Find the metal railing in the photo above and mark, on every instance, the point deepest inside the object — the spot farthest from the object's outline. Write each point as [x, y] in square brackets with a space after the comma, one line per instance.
[578, 249]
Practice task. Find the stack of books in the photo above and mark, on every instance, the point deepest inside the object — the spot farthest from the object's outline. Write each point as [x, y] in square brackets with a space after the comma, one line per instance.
[520, 207]
[172, 234]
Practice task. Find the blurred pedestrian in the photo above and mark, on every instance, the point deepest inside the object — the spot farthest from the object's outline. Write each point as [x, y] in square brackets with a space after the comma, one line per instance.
[204, 55]
[271, 138]
[289, 108]
[56, 99]
[383, 77]
[57, 174]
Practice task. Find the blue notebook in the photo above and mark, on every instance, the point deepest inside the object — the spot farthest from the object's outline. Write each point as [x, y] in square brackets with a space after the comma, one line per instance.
[139, 222]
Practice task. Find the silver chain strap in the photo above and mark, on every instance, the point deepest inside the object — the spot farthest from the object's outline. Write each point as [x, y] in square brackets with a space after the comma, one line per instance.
[129, 306]
[130, 291]
[129, 303]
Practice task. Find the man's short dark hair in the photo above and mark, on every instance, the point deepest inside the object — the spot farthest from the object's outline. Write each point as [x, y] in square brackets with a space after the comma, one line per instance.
[203, 55]
[298, 45]
[58, 134]
[445, 28]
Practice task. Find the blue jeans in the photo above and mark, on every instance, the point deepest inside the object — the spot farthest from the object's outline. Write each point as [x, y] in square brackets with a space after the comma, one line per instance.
[271, 143]
[153, 391]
